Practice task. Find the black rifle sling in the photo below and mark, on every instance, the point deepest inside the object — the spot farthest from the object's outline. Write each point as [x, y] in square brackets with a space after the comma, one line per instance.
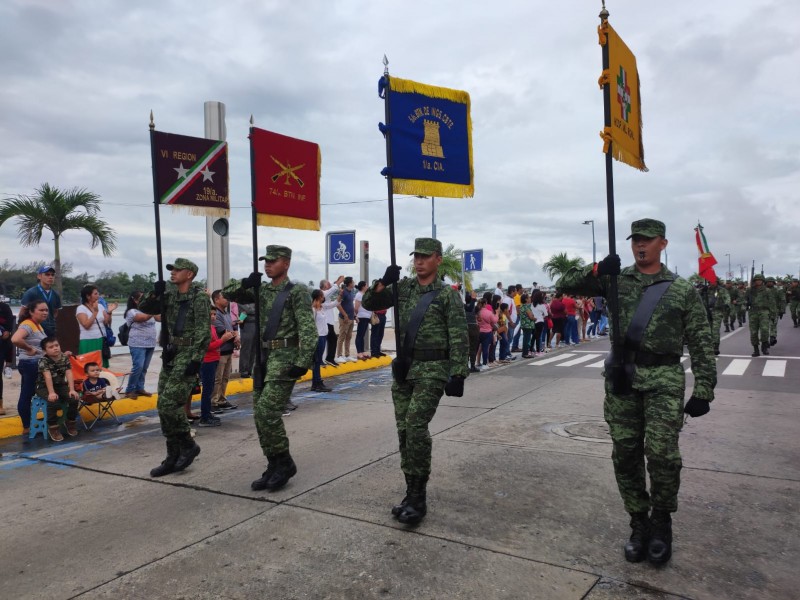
[647, 306]
[274, 319]
[415, 320]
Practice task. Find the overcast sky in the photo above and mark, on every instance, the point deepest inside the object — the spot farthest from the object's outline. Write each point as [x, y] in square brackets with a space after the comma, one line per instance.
[720, 100]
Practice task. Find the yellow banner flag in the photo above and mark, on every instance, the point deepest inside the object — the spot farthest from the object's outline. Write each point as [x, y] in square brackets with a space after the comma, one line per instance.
[624, 136]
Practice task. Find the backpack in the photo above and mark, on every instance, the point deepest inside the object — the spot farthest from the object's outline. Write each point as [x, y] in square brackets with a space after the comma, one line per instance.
[123, 332]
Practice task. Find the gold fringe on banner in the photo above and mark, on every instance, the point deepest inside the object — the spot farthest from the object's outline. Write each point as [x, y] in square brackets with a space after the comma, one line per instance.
[417, 187]
[287, 222]
[200, 211]
[602, 33]
[407, 86]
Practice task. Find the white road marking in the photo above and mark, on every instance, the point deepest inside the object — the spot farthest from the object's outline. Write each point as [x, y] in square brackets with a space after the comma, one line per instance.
[552, 359]
[579, 360]
[774, 368]
[737, 366]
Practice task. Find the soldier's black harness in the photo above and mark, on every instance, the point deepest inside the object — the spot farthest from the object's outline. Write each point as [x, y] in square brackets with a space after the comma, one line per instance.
[268, 340]
[400, 368]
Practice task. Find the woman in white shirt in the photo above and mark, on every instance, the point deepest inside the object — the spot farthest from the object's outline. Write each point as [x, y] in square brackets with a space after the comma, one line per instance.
[362, 318]
[93, 320]
[318, 305]
[540, 313]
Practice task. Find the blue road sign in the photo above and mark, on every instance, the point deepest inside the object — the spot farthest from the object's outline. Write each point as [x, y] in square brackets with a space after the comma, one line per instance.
[342, 247]
[473, 260]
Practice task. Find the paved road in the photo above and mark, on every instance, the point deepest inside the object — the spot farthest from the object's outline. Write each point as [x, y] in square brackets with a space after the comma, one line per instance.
[523, 502]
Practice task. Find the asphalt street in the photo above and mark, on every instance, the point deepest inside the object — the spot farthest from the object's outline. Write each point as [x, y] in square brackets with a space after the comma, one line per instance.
[522, 499]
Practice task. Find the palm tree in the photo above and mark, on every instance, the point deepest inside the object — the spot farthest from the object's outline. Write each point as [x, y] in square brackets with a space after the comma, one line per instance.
[559, 264]
[450, 267]
[50, 208]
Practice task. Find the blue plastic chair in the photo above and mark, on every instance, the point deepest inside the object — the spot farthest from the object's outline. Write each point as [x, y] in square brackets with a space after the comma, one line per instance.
[40, 405]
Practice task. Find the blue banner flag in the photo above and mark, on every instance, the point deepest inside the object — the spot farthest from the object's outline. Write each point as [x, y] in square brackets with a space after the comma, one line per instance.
[430, 133]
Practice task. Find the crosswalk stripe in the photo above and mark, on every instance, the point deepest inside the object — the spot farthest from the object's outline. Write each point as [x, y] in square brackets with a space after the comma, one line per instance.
[774, 368]
[579, 360]
[552, 359]
[737, 366]
[598, 364]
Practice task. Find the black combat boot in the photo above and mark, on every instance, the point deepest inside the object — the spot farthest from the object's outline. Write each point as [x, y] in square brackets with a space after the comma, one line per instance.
[285, 469]
[794, 320]
[636, 548]
[416, 508]
[765, 348]
[398, 508]
[716, 350]
[773, 340]
[189, 451]
[659, 550]
[727, 327]
[261, 483]
[733, 325]
[167, 466]
[755, 351]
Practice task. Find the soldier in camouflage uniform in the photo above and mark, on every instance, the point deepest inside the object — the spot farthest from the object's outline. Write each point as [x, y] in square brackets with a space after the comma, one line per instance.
[438, 365]
[719, 304]
[646, 421]
[793, 294]
[761, 305]
[288, 356]
[780, 309]
[186, 345]
[733, 294]
[741, 314]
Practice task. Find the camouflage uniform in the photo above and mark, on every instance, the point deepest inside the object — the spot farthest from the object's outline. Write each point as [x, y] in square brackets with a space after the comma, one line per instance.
[647, 421]
[174, 386]
[780, 308]
[741, 314]
[734, 295]
[719, 304]
[761, 305]
[444, 329]
[297, 326]
[794, 302]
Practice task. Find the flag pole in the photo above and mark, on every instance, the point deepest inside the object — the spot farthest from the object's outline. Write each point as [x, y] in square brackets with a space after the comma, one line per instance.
[613, 300]
[156, 203]
[390, 196]
[258, 373]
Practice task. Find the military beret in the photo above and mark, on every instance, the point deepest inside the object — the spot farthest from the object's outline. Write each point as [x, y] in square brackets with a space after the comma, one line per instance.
[182, 263]
[275, 252]
[649, 228]
[427, 246]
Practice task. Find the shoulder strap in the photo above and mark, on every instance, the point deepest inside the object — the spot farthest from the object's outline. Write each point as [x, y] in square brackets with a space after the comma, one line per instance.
[274, 319]
[415, 320]
[647, 305]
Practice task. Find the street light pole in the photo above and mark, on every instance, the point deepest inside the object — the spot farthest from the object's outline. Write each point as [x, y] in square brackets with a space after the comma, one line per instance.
[729, 273]
[433, 219]
[594, 247]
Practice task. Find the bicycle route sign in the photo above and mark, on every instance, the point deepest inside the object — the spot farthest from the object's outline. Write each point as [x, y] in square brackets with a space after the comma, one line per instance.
[473, 260]
[341, 247]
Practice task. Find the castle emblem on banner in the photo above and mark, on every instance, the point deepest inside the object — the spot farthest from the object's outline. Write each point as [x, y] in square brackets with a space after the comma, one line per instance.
[432, 144]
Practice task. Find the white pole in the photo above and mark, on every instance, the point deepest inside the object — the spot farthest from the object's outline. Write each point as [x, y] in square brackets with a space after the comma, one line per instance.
[217, 254]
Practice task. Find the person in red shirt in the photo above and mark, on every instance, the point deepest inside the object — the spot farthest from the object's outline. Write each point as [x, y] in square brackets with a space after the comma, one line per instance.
[559, 315]
[570, 333]
[208, 373]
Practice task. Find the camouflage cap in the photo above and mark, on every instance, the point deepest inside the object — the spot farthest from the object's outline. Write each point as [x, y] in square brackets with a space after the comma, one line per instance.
[771, 278]
[426, 246]
[274, 252]
[758, 277]
[648, 228]
[182, 263]
[795, 280]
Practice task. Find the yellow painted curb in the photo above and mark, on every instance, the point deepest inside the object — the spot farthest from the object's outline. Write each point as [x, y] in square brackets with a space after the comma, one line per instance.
[11, 426]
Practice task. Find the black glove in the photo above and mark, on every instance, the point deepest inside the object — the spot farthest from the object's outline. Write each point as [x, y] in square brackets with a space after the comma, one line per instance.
[392, 275]
[696, 407]
[610, 265]
[296, 372]
[251, 280]
[159, 287]
[193, 368]
[454, 386]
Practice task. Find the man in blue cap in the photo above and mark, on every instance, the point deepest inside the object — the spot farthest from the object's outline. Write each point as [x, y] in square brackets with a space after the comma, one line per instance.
[44, 291]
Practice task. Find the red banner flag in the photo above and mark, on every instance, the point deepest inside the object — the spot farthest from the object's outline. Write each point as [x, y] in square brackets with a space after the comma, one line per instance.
[706, 261]
[286, 172]
[192, 173]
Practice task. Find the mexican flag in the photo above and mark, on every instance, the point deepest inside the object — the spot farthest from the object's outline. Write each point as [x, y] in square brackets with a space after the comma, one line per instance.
[706, 261]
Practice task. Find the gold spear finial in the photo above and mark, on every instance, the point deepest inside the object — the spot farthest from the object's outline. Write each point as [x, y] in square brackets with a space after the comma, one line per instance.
[604, 13]
[152, 122]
